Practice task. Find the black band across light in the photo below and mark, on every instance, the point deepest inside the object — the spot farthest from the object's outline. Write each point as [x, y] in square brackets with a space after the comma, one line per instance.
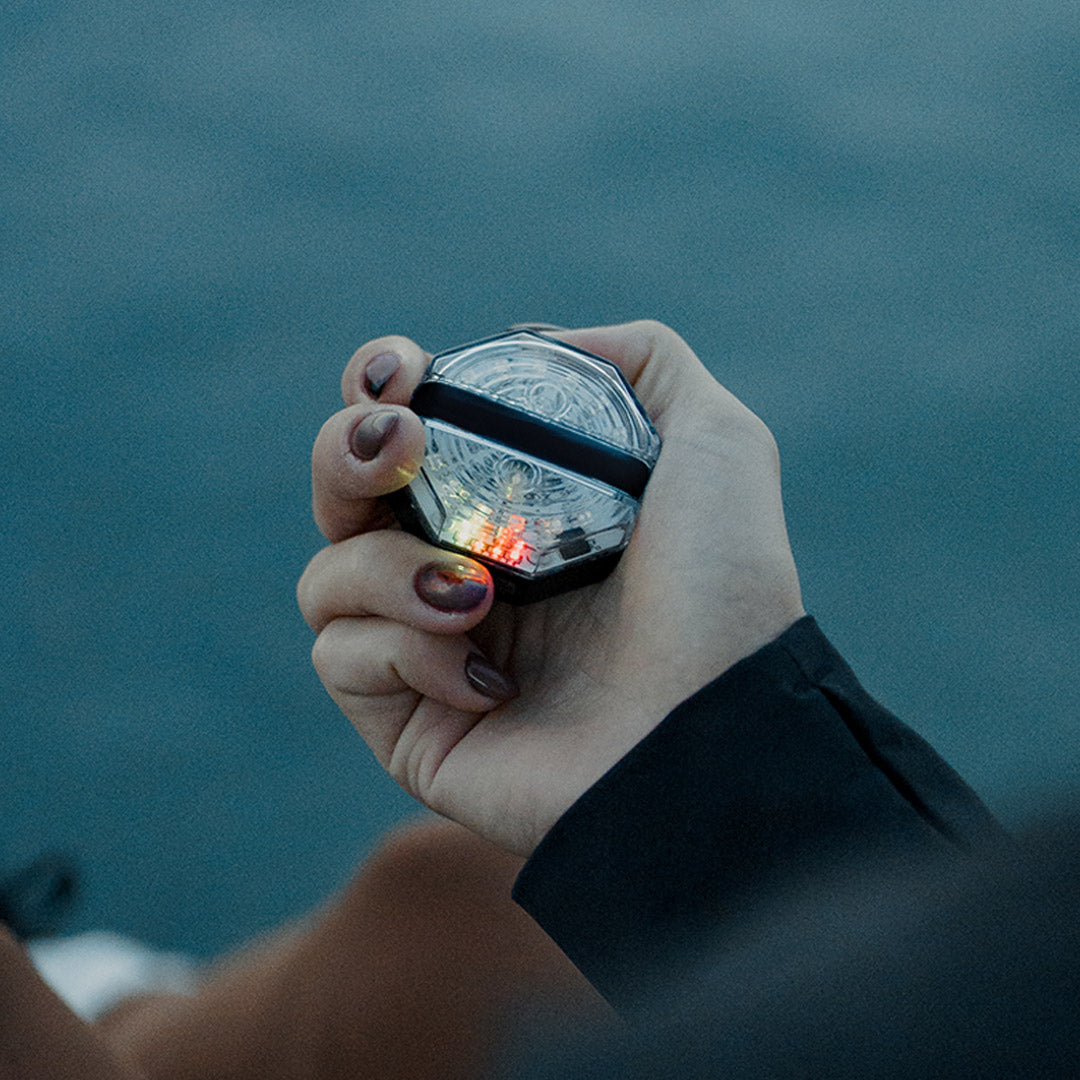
[520, 431]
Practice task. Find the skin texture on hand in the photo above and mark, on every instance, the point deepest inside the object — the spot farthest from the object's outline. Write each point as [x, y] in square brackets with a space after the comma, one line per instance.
[707, 579]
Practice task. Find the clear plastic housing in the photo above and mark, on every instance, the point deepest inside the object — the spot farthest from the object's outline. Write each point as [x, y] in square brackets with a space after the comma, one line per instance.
[534, 518]
[553, 382]
[485, 488]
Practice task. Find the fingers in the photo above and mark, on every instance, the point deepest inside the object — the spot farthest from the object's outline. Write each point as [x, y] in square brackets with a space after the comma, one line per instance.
[386, 370]
[362, 452]
[396, 576]
[361, 660]
[391, 613]
[372, 447]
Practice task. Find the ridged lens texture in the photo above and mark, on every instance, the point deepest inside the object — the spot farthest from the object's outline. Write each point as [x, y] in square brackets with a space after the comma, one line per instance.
[555, 383]
[516, 510]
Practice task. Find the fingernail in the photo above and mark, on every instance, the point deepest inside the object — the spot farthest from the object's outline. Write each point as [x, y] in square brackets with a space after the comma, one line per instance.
[380, 371]
[488, 680]
[451, 586]
[372, 434]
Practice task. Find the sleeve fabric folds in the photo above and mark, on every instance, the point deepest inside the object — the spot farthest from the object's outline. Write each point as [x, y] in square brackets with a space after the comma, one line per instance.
[754, 787]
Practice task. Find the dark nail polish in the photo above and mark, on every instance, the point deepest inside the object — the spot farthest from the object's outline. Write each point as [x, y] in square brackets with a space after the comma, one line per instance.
[380, 371]
[372, 434]
[488, 680]
[451, 586]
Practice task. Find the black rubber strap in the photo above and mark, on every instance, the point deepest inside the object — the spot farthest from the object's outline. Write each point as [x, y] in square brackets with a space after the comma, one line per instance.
[520, 431]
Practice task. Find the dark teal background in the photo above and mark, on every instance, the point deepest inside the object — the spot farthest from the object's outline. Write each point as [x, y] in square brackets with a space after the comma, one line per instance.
[864, 217]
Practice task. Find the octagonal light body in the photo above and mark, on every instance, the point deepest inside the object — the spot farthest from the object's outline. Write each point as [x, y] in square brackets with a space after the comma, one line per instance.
[537, 456]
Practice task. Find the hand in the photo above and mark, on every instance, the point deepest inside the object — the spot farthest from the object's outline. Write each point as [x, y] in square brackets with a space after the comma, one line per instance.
[412, 650]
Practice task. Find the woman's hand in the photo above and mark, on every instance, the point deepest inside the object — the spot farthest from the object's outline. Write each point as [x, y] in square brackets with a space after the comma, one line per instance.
[501, 717]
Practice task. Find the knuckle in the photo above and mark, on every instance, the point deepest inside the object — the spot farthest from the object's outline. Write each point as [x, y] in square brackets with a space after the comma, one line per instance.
[308, 594]
[414, 766]
[758, 438]
[321, 655]
[767, 441]
[652, 327]
[735, 432]
[660, 336]
[303, 595]
[758, 431]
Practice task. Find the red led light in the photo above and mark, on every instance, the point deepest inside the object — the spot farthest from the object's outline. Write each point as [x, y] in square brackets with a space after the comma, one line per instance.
[508, 545]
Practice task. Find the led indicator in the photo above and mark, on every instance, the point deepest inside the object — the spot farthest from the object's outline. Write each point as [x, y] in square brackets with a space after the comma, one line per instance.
[505, 544]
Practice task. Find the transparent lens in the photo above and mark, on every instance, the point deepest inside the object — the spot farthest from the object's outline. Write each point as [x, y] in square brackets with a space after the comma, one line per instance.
[524, 513]
[483, 491]
[555, 383]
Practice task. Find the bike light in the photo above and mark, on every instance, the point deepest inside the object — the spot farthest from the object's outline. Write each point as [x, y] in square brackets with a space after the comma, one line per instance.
[536, 459]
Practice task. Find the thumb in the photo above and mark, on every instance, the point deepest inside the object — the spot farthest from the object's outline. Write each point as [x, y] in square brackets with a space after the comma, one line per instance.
[663, 370]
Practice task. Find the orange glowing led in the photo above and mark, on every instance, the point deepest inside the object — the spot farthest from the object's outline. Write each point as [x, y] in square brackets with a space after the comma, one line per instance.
[504, 544]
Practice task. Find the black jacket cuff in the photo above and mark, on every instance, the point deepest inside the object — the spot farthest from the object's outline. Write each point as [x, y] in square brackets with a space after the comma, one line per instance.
[759, 782]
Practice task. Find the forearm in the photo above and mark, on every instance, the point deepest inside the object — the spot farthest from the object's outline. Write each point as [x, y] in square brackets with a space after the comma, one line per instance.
[421, 968]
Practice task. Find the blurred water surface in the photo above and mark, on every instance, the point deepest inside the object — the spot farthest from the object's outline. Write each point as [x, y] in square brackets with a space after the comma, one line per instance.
[864, 218]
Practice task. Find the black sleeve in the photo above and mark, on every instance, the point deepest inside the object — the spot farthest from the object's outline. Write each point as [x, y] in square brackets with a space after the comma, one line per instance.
[758, 783]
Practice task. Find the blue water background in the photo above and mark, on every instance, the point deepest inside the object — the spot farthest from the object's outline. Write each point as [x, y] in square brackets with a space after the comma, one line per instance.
[864, 217]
